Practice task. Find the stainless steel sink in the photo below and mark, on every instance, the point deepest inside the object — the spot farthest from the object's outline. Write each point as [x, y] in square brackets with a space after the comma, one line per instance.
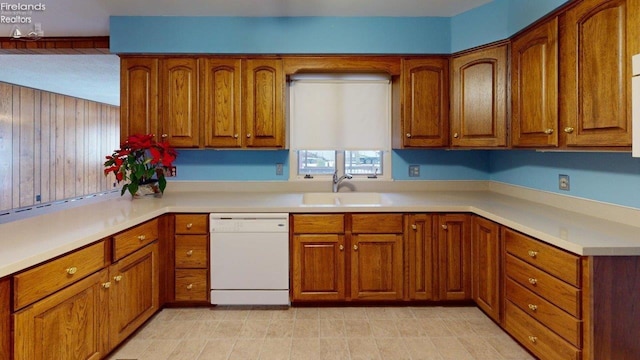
[342, 199]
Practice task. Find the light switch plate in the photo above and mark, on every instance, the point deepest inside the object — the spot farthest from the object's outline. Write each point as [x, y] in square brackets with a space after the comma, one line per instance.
[414, 170]
[279, 168]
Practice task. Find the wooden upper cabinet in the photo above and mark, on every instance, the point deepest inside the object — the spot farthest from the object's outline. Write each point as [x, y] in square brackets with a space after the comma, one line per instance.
[264, 105]
[479, 98]
[138, 96]
[179, 101]
[534, 87]
[221, 101]
[425, 98]
[597, 41]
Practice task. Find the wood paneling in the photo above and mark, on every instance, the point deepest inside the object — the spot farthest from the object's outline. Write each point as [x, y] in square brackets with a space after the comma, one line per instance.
[5, 319]
[52, 146]
[56, 45]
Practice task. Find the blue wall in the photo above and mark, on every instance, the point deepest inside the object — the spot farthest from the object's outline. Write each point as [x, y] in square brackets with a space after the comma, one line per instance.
[441, 164]
[245, 165]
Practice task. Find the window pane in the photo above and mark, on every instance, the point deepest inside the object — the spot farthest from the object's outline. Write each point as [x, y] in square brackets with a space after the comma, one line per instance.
[316, 162]
[363, 162]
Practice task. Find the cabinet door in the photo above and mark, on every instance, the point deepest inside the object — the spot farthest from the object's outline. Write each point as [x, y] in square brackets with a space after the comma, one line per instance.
[421, 254]
[534, 87]
[221, 101]
[485, 260]
[180, 124]
[376, 267]
[138, 96]
[479, 98]
[425, 118]
[318, 267]
[595, 65]
[5, 319]
[70, 324]
[264, 103]
[134, 294]
[454, 248]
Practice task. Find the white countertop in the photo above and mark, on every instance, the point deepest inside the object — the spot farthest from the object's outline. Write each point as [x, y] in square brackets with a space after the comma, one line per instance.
[27, 242]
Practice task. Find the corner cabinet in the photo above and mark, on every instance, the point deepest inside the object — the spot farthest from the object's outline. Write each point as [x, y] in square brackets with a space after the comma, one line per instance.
[597, 42]
[139, 78]
[486, 266]
[425, 104]
[479, 98]
[534, 87]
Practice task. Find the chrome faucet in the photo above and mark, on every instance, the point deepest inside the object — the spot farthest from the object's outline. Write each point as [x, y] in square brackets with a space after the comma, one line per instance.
[337, 180]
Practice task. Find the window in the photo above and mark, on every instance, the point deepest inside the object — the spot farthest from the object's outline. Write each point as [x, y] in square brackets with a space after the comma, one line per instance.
[340, 122]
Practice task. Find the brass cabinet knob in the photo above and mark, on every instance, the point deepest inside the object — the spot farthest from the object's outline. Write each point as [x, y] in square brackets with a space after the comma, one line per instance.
[533, 281]
[533, 339]
[189, 225]
[164, 136]
[569, 130]
[548, 131]
[445, 227]
[341, 247]
[248, 135]
[414, 227]
[106, 285]
[408, 135]
[117, 278]
[190, 252]
[355, 247]
[533, 307]
[532, 253]
[455, 135]
[72, 270]
[141, 237]
[235, 136]
[190, 286]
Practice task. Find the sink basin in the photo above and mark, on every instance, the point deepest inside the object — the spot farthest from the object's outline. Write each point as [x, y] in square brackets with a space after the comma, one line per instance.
[341, 199]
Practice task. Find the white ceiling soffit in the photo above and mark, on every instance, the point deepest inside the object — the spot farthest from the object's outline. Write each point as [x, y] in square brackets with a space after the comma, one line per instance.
[92, 77]
[91, 17]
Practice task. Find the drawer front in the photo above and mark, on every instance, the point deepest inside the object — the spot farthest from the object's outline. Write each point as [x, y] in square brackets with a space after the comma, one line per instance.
[545, 312]
[536, 337]
[376, 223]
[555, 291]
[191, 251]
[41, 281]
[559, 263]
[191, 285]
[135, 238]
[318, 224]
[191, 224]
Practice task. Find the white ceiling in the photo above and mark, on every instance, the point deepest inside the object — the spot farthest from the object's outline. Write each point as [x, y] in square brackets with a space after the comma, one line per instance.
[96, 77]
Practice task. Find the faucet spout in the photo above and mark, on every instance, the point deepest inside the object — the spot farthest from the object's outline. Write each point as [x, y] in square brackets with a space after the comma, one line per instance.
[337, 180]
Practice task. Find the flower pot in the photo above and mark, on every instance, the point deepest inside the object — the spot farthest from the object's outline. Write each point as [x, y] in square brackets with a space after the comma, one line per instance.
[147, 190]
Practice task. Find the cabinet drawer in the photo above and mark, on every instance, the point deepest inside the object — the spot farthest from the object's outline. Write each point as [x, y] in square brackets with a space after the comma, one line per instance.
[191, 285]
[376, 223]
[191, 224]
[133, 239]
[555, 291]
[536, 337]
[318, 224]
[47, 278]
[545, 312]
[191, 251]
[559, 263]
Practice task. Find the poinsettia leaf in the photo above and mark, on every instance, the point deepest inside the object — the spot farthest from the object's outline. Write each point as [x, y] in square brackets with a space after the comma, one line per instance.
[124, 189]
[162, 183]
[133, 188]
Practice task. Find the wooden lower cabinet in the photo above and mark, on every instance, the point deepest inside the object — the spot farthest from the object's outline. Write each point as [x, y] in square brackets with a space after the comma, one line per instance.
[5, 319]
[70, 324]
[191, 258]
[134, 293]
[376, 267]
[318, 267]
[421, 254]
[485, 263]
[454, 256]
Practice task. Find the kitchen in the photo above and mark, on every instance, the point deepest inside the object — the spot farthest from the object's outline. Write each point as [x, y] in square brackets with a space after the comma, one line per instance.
[536, 170]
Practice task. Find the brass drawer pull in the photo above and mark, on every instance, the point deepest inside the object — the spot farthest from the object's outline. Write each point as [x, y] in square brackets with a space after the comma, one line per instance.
[190, 286]
[117, 278]
[72, 270]
[141, 237]
[189, 225]
[533, 307]
[532, 253]
[533, 281]
[190, 252]
[106, 285]
[533, 339]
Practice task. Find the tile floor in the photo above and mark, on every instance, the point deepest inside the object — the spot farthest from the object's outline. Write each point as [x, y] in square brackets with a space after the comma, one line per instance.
[321, 333]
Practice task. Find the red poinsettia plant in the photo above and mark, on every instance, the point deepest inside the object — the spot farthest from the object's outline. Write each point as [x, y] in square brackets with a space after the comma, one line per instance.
[138, 160]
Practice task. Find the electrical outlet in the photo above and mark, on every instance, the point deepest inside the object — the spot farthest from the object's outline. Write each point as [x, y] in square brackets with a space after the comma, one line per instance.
[563, 182]
[170, 171]
[414, 170]
[279, 168]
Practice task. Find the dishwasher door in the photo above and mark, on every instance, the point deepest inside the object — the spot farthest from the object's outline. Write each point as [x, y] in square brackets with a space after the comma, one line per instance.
[249, 259]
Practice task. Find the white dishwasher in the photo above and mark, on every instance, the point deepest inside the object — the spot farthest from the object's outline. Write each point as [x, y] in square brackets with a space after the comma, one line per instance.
[249, 258]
